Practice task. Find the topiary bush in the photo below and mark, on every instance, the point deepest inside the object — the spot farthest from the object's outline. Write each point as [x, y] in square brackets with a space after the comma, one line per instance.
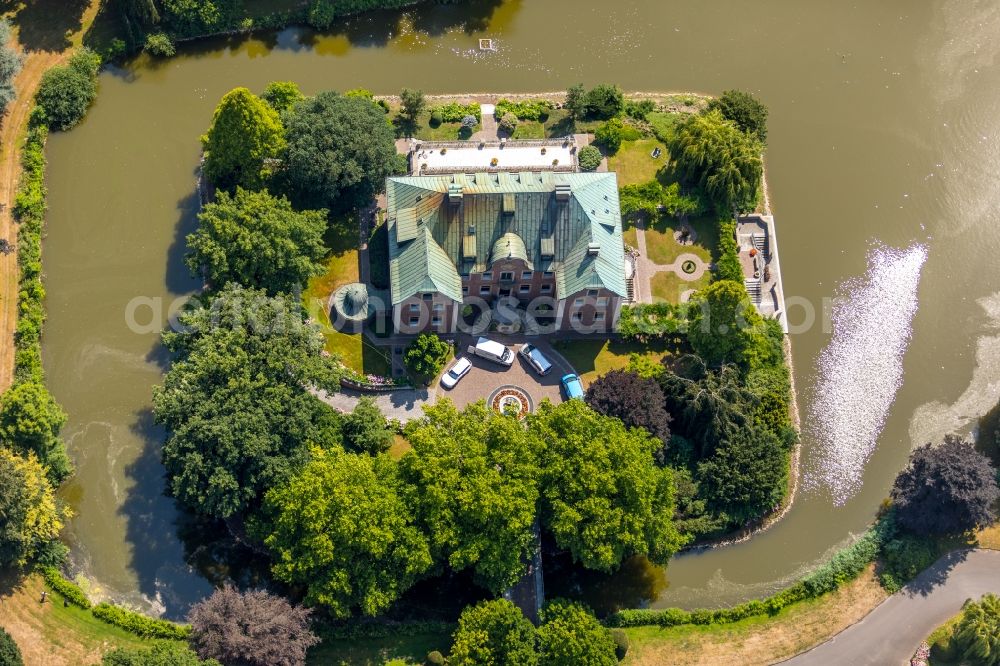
[436, 119]
[621, 643]
[589, 158]
[10, 654]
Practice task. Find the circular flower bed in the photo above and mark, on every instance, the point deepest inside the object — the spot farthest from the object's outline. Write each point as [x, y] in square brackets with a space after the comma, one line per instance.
[688, 267]
[510, 400]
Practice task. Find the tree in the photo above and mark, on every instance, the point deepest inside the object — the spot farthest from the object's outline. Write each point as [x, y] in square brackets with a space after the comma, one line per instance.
[191, 18]
[744, 110]
[747, 473]
[160, 44]
[11, 60]
[723, 324]
[10, 654]
[576, 100]
[235, 403]
[426, 355]
[257, 240]
[472, 479]
[604, 101]
[30, 421]
[142, 12]
[494, 632]
[340, 150]
[603, 498]
[636, 402]
[715, 155]
[365, 430]
[610, 134]
[253, 628]
[31, 514]
[946, 489]
[282, 95]
[978, 631]
[160, 654]
[340, 529]
[245, 137]
[571, 636]
[413, 104]
[590, 158]
[67, 91]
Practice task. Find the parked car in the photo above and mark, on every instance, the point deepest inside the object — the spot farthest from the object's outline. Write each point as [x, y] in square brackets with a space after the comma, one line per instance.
[459, 369]
[572, 387]
[492, 351]
[536, 359]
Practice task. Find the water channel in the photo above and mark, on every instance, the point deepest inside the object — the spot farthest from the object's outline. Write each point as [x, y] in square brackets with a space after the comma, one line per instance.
[883, 143]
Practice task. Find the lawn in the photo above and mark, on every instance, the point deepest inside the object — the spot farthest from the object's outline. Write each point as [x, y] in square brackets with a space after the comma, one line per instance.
[378, 651]
[758, 640]
[341, 265]
[633, 162]
[529, 129]
[661, 248]
[668, 286]
[443, 132]
[50, 633]
[593, 358]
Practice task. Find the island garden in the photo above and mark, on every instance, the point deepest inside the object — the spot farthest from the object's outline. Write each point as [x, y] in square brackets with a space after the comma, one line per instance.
[685, 433]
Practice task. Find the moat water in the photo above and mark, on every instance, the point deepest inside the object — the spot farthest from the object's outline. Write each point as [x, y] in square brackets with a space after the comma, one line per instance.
[882, 153]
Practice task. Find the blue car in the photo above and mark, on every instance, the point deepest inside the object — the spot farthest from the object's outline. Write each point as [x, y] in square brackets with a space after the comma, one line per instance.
[572, 387]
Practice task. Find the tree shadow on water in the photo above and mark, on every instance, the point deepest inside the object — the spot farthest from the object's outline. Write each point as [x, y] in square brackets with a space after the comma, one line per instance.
[46, 25]
[178, 277]
[152, 518]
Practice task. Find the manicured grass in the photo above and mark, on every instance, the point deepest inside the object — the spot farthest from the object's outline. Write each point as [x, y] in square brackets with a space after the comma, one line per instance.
[668, 286]
[529, 129]
[593, 358]
[52, 633]
[378, 651]
[443, 132]
[758, 640]
[633, 163]
[663, 249]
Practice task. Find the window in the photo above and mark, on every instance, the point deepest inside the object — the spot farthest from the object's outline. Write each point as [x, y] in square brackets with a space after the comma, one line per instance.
[598, 316]
[546, 288]
[465, 290]
[506, 276]
[578, 302]
[591, 292]
[488, 276]
[414, 307]
[577, 316]
[525, 288]
[526, 275]
[484, 291]
[602, 301]
[428, 297]
[436, 321]
[438, 307]
[414, 321]
[548, 274]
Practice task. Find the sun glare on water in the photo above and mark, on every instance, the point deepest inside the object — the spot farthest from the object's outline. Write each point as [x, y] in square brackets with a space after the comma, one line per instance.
[861, 368]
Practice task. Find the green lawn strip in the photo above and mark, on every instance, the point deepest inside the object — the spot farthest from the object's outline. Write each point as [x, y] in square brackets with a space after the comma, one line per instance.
[661, 248]
[443, 132]
[378, 651]
[668, 286]
[529, 129]
[593, 358]
[633, 162]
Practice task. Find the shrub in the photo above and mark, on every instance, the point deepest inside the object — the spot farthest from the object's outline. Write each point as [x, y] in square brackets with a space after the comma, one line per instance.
[64, 588]
[650, 321]
[903, 557]
[140, 625]
[728, 266]
[426, 355]
[159, 44]
[436, 118]
[527, 109]
[590, 158]
[435, 658]
[610, 135]
[621, 643]
[10, 654]
[744, 110]
[453, 112]
[67, 91]
[604, 101]
[508, 123]
[639, 109]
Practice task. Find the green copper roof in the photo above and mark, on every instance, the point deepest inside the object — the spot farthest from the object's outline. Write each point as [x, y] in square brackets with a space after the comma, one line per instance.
[500, 215]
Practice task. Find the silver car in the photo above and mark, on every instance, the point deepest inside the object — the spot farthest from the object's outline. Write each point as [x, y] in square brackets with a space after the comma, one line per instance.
[536, 359]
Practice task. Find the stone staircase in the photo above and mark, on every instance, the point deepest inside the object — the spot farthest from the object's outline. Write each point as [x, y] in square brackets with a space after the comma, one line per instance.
[760, 242]
[753, 288]
[629, 290]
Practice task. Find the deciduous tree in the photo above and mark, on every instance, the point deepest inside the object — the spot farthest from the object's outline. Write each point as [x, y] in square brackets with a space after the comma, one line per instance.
[10, 654]
[946, 489]
[413, 104]
[67, 91]
[743, 109]
[723, 325]
[365, 430]
[235, 402]
[494, 632]
[282, 95]
[603, 498]
[636, 402]
[245, 136]
[472, 477]
[571, 636]
[10, 64]
[257, 240]
[340, 150]
[340, 528]
[31, 514]
[30, 421]
[254, 628]
[426, 355]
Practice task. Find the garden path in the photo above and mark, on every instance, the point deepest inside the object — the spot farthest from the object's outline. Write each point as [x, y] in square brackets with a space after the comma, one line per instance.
[646, 268]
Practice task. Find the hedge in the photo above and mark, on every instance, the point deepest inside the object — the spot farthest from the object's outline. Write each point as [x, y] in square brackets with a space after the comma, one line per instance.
[139, 624]
[648, 321]
[728, 266]
[64, 588]
[843, 567]
[453, 112]
[528, 109]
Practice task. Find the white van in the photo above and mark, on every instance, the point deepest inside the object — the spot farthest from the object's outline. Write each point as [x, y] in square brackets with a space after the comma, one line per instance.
[493, 351]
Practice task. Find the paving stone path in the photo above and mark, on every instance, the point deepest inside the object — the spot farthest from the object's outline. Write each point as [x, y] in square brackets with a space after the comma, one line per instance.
[646, 268]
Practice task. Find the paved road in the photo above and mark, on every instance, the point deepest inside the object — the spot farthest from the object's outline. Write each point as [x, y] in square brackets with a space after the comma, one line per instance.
[890, 634]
